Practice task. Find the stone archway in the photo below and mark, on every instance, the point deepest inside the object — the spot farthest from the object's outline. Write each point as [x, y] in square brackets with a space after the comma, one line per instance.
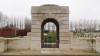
[56, 45]
[59, 15]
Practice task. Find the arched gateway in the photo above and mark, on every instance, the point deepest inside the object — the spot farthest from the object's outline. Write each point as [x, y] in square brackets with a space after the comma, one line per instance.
[50, 44]
[59, 15]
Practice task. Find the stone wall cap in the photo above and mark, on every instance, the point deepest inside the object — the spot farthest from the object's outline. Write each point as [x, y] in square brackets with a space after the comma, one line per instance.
[13, 38]
[50, 5]
[1, 39]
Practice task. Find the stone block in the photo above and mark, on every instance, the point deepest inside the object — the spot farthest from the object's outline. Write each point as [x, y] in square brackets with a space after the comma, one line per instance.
[64, 30]
[50, 15]
[36, 38]
[98, 44]
[36, 22]
[64, 15]
[26, 37]
[58, 11]
[34, 18]
[64, 22]
[43, 17]
[65, 11]
[23, 43]
[49, 11]
[64, 38]
[36, 34]
[64, 42]
[57, 16]
[33, 15]
[64, 34]
[63, 18]
[45, 8]
[76, 47]
[36, 30]
[29, 34]
[64, 26]
[64, 46]
[1, 47]
[35, 45]
[46, 11]
[46, 15]
[35, 26]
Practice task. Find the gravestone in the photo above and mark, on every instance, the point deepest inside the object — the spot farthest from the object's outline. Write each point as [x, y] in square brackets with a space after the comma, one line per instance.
[51, 13]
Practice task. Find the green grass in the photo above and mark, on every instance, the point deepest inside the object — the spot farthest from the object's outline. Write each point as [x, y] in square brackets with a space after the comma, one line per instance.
[50, 37]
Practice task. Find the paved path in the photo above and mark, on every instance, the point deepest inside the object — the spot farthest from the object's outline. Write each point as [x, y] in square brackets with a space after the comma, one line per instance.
[51, 52]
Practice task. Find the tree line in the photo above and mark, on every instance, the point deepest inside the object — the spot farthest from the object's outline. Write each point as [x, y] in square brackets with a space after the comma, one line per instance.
[85, 25]
[16, 22]
[24, 23]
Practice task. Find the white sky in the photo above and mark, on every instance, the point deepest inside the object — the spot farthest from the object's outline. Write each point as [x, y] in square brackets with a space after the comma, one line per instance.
[79, 9]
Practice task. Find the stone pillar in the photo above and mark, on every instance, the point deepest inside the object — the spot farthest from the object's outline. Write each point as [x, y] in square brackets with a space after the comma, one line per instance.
[64, 32]
[35, 37]
[98, 44]
[1, 44]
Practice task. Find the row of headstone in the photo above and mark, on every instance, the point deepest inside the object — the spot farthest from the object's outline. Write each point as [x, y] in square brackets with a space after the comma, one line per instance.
[86, 35]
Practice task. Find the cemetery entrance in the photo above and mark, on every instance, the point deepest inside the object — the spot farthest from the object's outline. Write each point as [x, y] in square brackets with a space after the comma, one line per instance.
[54, 36]
[50, 33]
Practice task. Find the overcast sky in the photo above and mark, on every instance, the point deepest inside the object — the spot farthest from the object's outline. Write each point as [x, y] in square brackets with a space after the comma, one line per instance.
[79, 9]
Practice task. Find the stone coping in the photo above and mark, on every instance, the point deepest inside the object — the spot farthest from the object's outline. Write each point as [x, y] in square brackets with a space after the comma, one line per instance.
[12, 38]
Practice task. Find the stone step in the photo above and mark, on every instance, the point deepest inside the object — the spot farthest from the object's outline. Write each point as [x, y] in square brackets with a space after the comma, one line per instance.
[52, 55]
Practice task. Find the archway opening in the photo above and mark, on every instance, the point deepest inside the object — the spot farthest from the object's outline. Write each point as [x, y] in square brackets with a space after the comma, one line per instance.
[50, 33]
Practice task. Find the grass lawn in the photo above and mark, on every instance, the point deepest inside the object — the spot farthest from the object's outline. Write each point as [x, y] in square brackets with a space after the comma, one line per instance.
[50, 37]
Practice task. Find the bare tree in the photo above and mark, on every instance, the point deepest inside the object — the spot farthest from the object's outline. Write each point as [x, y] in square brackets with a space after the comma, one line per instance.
[86, 25]
[1, 16]
[3, 20]
[27, 24]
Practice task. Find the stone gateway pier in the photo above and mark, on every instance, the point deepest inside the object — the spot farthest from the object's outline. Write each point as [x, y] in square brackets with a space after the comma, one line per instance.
[59, 15]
